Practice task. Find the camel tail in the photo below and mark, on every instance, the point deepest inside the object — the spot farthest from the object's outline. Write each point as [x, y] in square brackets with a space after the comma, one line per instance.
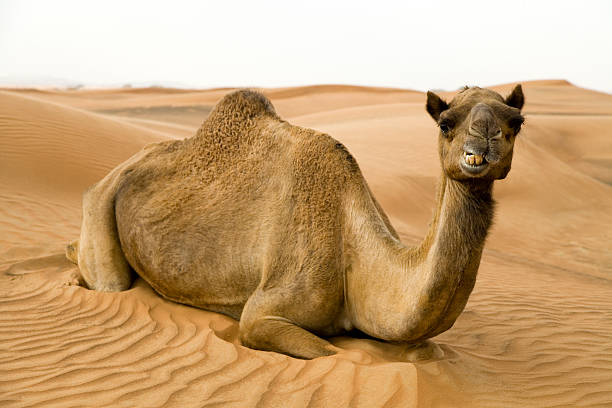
[72, 251]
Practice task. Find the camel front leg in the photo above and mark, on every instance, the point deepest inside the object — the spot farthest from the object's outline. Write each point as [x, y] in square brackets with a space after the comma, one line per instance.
[273, 333]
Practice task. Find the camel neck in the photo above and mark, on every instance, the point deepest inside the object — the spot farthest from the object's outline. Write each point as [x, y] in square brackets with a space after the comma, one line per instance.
[450, 254]
[464, 213]
[410, 294]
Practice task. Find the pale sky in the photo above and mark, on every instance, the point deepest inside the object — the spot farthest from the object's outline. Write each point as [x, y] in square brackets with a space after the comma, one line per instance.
[418, 45]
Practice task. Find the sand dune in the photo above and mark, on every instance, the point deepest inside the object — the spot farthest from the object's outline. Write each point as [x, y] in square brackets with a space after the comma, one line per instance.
[537, 330]
[50, 154]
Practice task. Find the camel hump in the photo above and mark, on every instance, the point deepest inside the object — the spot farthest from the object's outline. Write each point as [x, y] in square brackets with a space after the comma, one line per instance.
[243, 104]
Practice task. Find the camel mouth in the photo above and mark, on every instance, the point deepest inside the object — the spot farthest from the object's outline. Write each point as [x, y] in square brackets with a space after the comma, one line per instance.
[474, 164]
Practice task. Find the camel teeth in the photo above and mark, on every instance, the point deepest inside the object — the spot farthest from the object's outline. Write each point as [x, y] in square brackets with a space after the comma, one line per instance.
[473, 159]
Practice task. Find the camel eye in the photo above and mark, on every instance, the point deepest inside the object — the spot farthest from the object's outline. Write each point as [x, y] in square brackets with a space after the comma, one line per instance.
[516, 123]
[445, 127]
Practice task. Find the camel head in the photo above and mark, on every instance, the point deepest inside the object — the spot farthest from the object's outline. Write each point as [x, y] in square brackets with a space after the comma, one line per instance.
[477, 132]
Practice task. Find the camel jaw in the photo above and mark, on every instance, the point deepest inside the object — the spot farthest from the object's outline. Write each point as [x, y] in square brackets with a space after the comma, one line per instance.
[474, 165]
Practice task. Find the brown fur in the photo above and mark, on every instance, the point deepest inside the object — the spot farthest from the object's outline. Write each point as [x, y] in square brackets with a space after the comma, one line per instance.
[275, 225]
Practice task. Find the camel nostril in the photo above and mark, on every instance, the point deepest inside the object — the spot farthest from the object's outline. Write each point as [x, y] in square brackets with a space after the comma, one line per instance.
[476, 148]
[497, 135]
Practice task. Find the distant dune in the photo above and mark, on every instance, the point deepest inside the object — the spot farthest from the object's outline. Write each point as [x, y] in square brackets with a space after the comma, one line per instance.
[537, 330]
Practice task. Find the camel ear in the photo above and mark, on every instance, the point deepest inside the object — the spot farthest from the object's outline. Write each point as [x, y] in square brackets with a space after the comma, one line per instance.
[516, 98]
[435, 105]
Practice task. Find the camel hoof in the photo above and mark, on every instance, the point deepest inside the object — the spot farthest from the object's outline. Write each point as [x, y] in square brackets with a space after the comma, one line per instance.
[72, 252]
[427, 350]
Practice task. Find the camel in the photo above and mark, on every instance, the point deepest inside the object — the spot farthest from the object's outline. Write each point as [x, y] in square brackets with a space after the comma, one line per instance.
[275, 225]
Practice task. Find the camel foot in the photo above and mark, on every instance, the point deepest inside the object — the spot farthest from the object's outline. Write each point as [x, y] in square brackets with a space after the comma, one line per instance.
[72, 252]
[273, 333]
[427, 350]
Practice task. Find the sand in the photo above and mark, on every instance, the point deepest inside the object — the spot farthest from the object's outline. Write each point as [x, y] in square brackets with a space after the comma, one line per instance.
[537, 330]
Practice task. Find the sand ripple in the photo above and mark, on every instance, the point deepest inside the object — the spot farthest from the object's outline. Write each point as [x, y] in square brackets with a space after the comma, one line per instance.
[63, 345]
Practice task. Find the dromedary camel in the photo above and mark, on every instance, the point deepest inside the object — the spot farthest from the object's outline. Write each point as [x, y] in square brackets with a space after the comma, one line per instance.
[274, 225]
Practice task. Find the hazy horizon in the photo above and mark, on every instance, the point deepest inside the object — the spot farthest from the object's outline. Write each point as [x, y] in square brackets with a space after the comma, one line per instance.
[441, 45]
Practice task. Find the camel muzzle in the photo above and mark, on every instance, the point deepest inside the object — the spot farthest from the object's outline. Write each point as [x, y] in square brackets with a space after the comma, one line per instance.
[482, 144]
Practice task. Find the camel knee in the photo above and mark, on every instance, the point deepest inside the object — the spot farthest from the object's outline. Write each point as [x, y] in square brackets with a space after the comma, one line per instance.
[263, 333]
[103, 280]
[253, 333]
[102, 265]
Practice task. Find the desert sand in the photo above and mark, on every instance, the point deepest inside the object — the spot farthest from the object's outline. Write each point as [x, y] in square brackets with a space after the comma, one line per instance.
[537, 330]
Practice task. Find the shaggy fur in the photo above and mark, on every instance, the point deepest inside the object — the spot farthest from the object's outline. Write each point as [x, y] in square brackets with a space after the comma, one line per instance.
[274, 225]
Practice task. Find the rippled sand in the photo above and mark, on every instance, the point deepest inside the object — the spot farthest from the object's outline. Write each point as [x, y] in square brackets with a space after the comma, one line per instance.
[537, 330]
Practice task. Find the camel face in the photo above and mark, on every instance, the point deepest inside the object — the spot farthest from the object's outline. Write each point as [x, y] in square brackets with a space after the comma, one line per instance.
[477, 132]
